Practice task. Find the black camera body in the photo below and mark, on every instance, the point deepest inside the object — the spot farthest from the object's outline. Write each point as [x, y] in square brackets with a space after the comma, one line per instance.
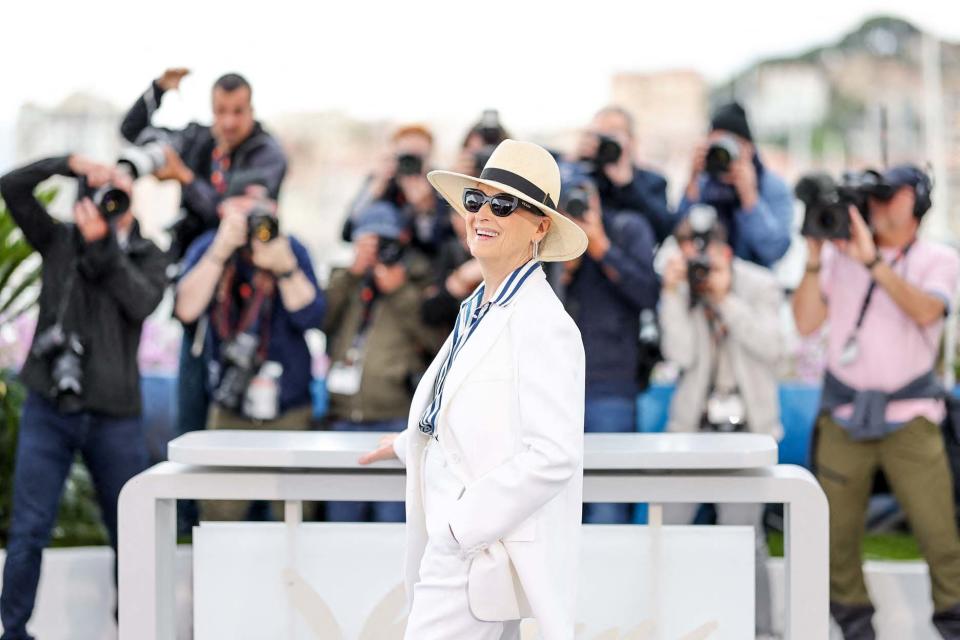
[576, 185]
[64, 351]
[262, 225]
[110, 201]
[238, 366]
[703, 222]
[720, 154]
[827, 203]
[409, 164]
[608, 151]
[389, 251]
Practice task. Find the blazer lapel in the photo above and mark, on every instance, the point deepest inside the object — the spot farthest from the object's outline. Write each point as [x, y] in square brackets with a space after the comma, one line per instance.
[476, 348]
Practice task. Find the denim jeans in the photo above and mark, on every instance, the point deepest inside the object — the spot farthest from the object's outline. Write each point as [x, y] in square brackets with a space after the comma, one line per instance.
[609, 414]
[113, 449]
[193, 403]
[348, 511]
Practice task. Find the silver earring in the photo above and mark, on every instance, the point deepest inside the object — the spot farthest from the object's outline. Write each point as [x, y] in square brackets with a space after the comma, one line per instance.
[536, 249]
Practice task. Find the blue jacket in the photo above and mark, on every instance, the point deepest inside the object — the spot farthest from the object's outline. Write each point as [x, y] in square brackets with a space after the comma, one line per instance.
[762, 234]
[287, 343]
[607, 310]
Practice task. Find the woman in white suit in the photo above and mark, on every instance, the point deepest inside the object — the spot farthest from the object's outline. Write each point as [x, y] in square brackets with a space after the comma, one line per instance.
[494, 441]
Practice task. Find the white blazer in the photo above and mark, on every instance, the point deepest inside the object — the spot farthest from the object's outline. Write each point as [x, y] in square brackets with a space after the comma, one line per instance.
[511, 428]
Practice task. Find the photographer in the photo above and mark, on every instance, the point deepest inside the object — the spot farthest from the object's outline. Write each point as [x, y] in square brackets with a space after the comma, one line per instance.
[257, 290]
[400, 179]
[455, 272]
[204, 158]
[604, 291]
[884, 293]
[720, 319]
[753, 203]
[605, 152]
[377, 344]
[101, 279]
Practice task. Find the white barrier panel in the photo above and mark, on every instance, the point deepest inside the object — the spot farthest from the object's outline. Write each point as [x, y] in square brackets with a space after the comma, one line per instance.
[689, 583]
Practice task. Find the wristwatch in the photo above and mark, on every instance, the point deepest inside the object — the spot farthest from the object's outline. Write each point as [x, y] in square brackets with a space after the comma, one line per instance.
[876, 260]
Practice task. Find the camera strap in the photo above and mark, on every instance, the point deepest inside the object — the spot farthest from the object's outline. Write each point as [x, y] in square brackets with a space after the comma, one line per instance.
[255, 306]
[851, 349]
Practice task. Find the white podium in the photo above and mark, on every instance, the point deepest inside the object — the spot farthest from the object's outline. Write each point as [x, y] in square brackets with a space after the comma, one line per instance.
[320, 465]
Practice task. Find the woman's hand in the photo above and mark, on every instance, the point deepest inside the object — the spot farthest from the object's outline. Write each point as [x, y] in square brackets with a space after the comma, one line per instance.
[383, 452]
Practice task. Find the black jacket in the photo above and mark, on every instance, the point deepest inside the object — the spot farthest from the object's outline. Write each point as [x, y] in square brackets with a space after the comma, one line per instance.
[646, 195]
[260, 153]
[113, 292]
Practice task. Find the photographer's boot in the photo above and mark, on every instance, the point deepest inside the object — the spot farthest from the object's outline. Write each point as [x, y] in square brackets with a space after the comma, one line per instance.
[947, 622]
[854, 620]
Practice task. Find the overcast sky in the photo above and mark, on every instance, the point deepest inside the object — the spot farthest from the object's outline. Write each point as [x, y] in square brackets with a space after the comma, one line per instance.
[543, 63]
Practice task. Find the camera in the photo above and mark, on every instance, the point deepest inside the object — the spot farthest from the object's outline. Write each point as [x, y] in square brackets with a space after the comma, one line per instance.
[238, 362]
[608, 152]
[575, 189]
[110, 201]
[827, 203]
[262, 225]
[389, 251]
[720, 154]
[146, 156]
[703, 222]
[409, 164]
[490, 128]
[64, 350]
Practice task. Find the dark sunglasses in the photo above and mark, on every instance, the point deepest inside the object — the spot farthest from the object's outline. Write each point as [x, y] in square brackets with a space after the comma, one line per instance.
[501, 204]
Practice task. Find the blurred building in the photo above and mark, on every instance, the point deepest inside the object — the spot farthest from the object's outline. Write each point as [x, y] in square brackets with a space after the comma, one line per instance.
[670, 113]
[82, 123]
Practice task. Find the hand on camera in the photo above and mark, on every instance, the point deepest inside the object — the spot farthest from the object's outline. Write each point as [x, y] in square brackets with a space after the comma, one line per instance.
[97, 174]
[743, 177]
[674, 272]
[418, 192]
[385, 170]
[719, 282]
[620, 172]
[592, 224]
[171, 78]
[231, 235]
[860, 246]
[92, 225]
[697, 166]
[389, 278]
[365, 254]
[275, 256]
[173, 168]
[384, 451]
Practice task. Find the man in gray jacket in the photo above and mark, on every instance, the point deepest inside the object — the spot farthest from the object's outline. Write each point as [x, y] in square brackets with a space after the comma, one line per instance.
[720, 318]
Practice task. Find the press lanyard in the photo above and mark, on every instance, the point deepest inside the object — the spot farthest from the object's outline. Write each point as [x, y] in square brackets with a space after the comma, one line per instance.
[851, 348]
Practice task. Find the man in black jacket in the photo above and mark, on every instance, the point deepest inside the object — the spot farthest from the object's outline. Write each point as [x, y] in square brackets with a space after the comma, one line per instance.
[204, 159]
[607, 147]
[100, 282]
[210, 163]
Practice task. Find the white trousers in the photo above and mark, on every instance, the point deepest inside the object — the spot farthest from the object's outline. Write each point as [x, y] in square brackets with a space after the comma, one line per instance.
[440, 609]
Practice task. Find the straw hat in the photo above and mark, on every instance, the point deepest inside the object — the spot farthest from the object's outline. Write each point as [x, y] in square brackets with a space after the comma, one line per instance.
[528, 171]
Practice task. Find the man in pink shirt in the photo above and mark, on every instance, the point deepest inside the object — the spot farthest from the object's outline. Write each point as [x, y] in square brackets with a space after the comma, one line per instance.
[884, 294]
